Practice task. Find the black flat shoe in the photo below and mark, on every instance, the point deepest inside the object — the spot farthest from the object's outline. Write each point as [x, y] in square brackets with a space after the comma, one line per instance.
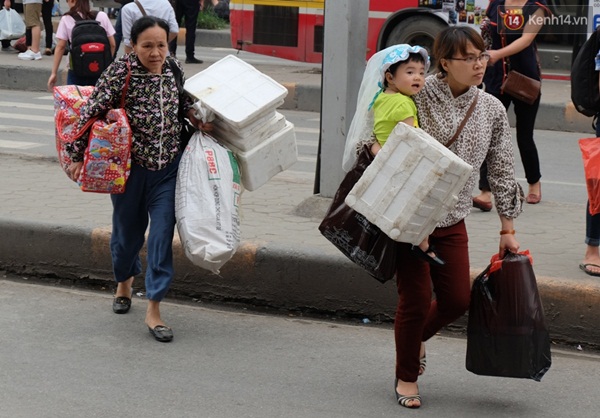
[428, 255]
[121, 305]
[193, 61]
[161, 333]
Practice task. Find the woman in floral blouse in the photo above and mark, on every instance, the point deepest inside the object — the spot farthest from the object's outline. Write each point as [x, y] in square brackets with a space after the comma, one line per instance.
[152, 104]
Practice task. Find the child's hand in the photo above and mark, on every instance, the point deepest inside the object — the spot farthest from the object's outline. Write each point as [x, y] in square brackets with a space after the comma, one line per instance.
[375, 148]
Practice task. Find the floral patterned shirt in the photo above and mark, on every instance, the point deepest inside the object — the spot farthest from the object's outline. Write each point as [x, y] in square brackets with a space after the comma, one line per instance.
[151, 105]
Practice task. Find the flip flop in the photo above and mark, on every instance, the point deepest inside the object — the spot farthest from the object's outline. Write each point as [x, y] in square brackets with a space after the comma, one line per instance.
[584, 267]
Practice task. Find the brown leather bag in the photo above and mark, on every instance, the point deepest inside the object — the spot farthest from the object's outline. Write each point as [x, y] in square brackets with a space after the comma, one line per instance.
[521, 87]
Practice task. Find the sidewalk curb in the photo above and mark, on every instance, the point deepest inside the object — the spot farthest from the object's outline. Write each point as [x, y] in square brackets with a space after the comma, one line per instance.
[268, 274]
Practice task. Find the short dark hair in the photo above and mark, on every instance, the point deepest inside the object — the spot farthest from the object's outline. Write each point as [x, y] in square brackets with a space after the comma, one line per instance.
[413, 56]
[455, 39]
[147, 22]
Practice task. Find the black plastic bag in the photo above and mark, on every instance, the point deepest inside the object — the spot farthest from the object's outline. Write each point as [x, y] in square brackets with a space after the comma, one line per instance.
[357, 238]
[506, 332]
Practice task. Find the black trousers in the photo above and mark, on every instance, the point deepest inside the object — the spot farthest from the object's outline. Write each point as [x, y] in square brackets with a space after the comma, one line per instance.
[526, 115]
[188, 10]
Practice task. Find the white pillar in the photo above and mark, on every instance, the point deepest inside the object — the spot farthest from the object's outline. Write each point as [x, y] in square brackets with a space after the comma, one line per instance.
[344, 54]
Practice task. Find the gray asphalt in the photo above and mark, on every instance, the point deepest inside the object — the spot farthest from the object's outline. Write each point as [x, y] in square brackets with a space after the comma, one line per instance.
[65, 354]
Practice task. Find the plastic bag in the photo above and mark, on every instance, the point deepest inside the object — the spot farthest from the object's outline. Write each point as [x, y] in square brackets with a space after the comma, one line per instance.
[590, 150]
[506, 331]
[357, 238]
[207, 198]
[11, 24]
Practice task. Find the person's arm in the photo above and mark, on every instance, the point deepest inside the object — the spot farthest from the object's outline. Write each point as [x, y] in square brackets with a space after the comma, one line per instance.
[126, 22]
[59, 51]
[508, 242]
[113, 45]
[530, 31]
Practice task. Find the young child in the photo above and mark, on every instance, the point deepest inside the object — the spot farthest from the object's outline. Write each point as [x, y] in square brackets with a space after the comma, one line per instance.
[402, 75]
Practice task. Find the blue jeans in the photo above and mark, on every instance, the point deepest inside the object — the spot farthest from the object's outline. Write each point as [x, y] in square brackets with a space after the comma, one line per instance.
[149, 196]
[592, 222]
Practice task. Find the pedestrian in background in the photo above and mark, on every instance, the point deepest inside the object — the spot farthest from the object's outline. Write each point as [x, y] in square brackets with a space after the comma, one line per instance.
[119, 26]
[64, 34]
[591, 261]
[442, 105]
[10, 4]
[155, 154]
[518, 49]
[187, 10]
[47, 7]
[161, 9]
[33, 11]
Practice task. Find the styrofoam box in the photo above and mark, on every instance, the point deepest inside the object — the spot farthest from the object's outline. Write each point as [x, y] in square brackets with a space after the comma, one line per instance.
[234, 90]
[272, 156]
[248, 138]
[411, 185]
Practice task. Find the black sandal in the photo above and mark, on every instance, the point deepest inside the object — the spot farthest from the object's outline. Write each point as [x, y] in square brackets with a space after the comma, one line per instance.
[428, 255]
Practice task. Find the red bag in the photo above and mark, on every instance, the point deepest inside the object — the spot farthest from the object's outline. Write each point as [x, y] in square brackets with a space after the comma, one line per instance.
[590, 150]
[67, 107]
[357, 238]
[506, 331]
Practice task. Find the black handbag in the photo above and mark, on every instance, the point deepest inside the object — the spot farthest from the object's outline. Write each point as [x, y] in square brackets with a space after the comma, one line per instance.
[351, 233]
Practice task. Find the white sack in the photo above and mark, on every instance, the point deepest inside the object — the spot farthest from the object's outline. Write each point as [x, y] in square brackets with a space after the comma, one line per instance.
[207, 198]
[11, 24]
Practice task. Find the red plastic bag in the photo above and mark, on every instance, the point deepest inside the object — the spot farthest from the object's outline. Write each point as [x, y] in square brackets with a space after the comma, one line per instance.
[590, 150]
[506, 331]
[357, 238]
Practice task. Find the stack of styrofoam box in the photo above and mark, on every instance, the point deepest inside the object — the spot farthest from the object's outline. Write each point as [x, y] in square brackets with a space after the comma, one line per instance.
[410, 186]
[244, 101]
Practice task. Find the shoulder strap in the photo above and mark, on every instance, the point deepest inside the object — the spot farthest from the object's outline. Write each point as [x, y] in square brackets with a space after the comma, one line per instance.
[139, 5]
[464, 121]
[179, 82]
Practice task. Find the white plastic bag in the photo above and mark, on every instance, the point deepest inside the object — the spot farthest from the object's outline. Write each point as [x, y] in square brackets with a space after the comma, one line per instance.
[11, 24]
[207, 199]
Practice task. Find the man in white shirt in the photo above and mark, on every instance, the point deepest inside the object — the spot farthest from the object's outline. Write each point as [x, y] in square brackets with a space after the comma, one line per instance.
[161, 9]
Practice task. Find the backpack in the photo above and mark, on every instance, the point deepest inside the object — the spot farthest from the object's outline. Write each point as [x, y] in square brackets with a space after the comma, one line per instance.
[584, 77]
[90, 49]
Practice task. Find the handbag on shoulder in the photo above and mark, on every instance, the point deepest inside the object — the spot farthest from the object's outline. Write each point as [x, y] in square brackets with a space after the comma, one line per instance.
[521, 87]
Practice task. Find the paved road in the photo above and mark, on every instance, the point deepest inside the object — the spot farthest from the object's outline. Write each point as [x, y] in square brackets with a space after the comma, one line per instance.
[65, 354]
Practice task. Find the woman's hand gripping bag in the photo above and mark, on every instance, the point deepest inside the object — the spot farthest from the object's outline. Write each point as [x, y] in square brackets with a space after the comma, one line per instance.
[506, 331]
[207, 198]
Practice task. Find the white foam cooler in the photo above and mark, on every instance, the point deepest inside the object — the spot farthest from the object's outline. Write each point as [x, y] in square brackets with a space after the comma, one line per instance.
[247, 138]
[272, 156]
[410, 186]
[235, 91]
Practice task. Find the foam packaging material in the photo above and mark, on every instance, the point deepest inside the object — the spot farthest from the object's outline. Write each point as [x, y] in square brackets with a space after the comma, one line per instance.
[235, 91]
[411, 185]
[276, 154]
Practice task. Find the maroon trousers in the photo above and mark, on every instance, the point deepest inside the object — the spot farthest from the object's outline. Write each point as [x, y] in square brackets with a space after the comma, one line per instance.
[418, 317]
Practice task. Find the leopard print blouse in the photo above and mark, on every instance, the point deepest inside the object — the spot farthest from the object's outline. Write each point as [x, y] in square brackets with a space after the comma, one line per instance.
[485, 136]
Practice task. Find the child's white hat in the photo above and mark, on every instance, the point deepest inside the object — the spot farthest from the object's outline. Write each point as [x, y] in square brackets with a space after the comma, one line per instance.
[401, 53]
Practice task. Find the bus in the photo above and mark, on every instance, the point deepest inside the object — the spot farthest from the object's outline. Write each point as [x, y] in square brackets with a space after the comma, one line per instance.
[293, 29]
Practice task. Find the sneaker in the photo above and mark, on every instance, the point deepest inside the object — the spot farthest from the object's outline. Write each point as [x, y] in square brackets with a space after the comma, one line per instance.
[30, 55]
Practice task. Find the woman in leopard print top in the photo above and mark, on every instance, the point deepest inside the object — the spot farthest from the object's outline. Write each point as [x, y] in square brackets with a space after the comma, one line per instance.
[442, 105]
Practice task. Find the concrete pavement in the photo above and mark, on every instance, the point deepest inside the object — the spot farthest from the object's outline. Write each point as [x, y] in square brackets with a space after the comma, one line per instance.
[50, 229]
[65, 354]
